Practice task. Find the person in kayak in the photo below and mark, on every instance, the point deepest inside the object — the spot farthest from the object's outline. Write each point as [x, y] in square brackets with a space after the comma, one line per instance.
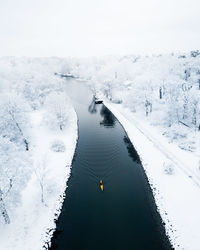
[101, 185]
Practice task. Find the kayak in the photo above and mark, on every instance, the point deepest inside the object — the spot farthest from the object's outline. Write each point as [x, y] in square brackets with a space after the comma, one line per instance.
[101, 185]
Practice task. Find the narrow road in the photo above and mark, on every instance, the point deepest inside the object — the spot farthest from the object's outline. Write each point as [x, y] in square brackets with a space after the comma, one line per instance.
[124, 215]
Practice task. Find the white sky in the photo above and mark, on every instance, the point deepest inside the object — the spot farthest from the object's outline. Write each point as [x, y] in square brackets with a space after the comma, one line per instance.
[98, 27]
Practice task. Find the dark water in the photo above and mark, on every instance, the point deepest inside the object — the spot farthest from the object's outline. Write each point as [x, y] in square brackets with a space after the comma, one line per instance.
[123, 216]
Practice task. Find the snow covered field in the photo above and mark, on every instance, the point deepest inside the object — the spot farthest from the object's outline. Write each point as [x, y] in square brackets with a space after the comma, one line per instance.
[38, 139]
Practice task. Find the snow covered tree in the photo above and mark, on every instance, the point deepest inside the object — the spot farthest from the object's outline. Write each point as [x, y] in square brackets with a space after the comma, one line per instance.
[15, 170]
[40, 170]
[14, 120]
[58, 110]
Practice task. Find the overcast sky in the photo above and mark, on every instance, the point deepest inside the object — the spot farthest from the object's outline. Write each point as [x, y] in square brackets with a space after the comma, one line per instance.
[98, 27]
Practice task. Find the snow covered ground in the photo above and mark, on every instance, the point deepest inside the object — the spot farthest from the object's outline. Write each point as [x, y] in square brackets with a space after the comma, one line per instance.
[42, 198]
[171, 173]
[38, 135]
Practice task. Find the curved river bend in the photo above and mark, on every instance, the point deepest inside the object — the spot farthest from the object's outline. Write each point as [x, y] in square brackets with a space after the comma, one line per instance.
[124, 215]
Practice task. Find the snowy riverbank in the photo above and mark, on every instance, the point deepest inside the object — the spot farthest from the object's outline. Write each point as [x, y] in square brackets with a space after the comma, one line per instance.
[42, 198]
[171, 174]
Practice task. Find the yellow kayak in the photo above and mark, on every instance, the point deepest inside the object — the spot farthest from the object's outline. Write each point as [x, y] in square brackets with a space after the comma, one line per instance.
[101, 185]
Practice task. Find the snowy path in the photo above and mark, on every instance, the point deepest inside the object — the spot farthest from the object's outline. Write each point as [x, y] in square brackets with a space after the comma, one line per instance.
[163, 147]
[177, 195]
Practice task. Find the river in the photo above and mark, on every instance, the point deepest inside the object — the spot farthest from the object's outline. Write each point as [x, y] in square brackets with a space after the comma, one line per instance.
[122, 217]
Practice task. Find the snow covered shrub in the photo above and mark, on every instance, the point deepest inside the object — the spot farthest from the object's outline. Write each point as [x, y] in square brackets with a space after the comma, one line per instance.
[33, 95]
[58, 146]
[168, 168]
[36, 89]
[117, 101]
[58, 110]
[195, 53]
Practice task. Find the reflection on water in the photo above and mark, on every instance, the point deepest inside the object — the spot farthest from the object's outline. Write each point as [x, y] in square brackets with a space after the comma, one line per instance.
[131, 151]
[92, 107]
[108, 118]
